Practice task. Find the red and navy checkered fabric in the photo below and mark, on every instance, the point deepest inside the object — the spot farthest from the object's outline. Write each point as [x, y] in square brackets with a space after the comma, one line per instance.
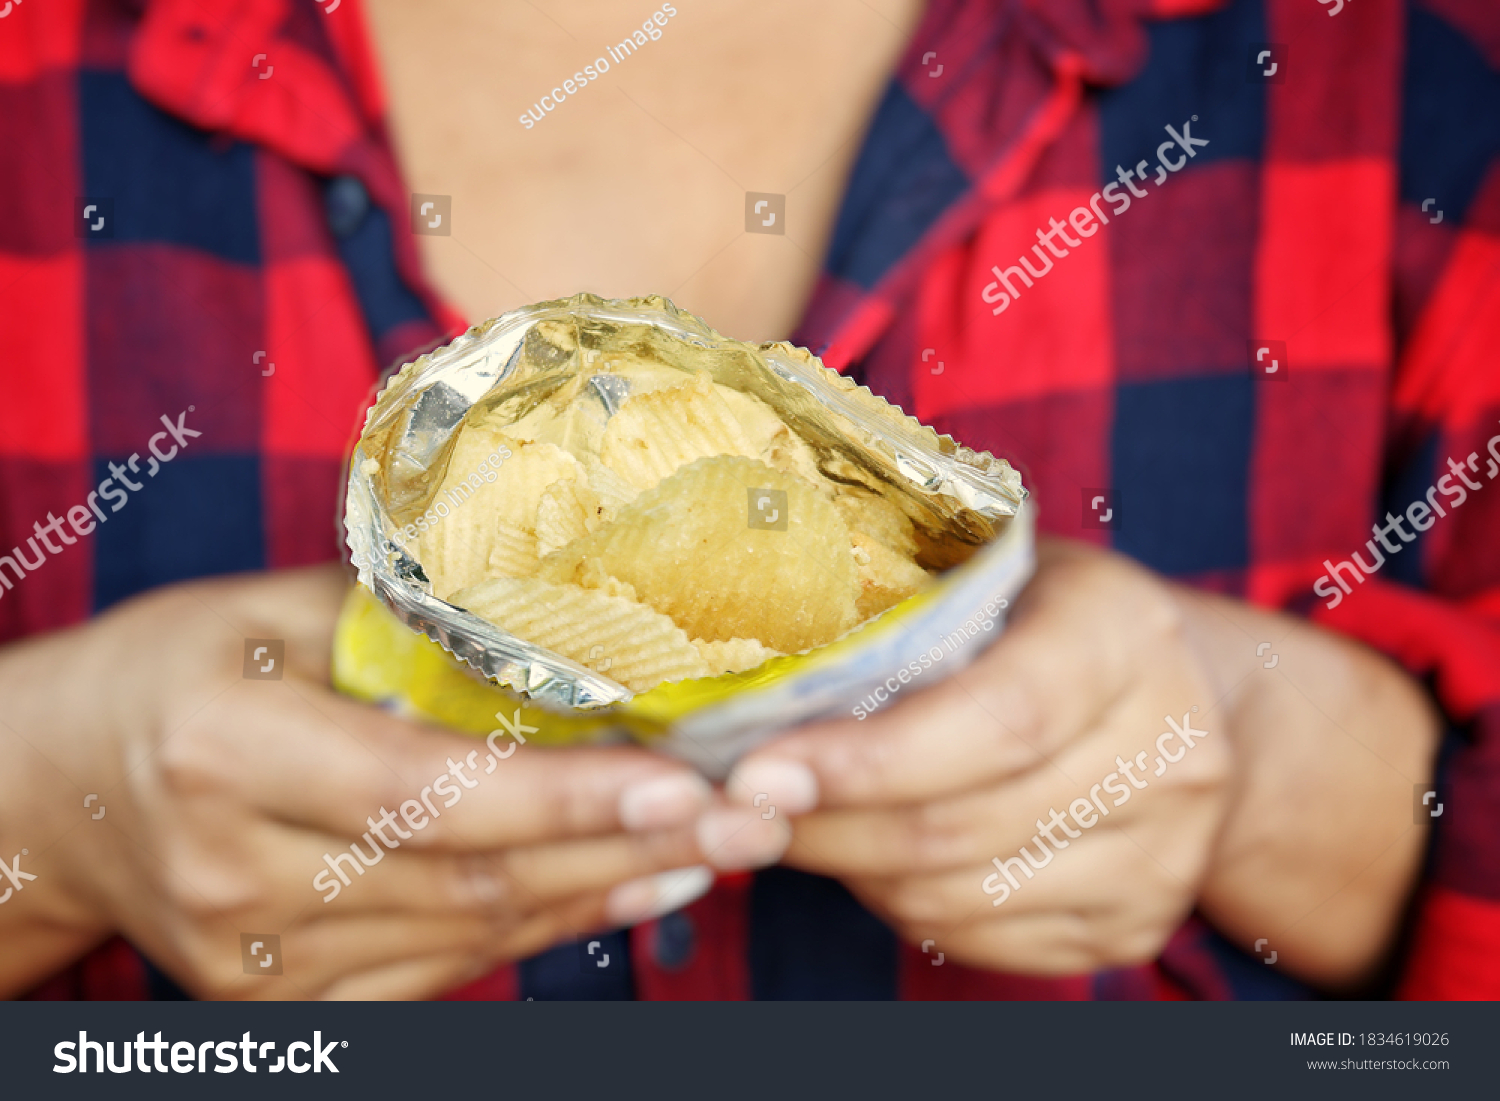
[212, 283]
[267, 216]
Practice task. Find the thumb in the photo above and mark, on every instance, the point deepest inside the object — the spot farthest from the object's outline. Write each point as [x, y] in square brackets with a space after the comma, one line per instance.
[904, 753]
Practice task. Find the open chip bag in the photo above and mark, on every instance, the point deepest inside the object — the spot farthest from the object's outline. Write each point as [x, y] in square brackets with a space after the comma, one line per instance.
[592, 519]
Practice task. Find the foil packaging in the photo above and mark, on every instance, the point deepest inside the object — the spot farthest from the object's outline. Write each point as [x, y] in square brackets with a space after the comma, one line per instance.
[967, 508]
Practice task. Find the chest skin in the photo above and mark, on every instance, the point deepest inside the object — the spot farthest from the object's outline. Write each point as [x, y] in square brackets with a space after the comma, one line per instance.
[636, 183]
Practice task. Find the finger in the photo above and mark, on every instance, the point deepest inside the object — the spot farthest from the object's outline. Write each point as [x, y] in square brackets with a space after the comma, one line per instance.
[918, 838]
[922, 838]
[1099, 874]
[565, 919]
[1081, 788]
[313, 758]
[325, 951]
[251, 866]
[551, 872]
[1068, 653]
[434, 975]
[316, 954]
[1056, 943]
[403, 955]
[735, 838]
[299, 606]
[336, 876]
[411, 980]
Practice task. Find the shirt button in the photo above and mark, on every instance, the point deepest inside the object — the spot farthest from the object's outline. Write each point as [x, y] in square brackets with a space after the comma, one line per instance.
[676, 939]
[346, 202]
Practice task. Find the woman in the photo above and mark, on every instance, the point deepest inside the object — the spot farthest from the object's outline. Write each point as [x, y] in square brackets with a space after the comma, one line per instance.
[1266, 293]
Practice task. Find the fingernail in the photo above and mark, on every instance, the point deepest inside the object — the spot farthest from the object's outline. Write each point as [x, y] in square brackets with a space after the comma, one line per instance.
[664, 801]
[790, 786]
[653, 895]
[732, 838]
[483, 884]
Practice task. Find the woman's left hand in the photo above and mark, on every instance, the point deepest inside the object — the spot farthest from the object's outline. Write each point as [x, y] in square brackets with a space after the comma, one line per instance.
[1097, 736]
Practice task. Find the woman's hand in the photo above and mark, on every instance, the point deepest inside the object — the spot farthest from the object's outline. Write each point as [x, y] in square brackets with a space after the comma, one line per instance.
[1119, 755]
[222, 796]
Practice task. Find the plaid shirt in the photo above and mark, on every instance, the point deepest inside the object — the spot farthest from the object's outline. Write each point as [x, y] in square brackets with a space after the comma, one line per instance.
[252, 271]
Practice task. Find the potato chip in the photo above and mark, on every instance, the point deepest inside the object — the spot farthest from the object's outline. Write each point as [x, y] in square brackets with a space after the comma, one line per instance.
[757, 420]
[513, 552]
[772, 441]
[613, 586]
[489, 520]
[461, 554]
[534, 425]
[458, 556]
[734, 655]
[610, 488]
[643, 373]
[591, 575]
[618, 638]
[696, 549]
[656, 432]
[578, 428]
[878, 518]
[568, 510]
[789, 452]
[885, 577]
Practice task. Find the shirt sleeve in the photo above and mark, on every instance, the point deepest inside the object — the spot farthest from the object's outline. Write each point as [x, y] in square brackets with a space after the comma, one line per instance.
[1436, 607]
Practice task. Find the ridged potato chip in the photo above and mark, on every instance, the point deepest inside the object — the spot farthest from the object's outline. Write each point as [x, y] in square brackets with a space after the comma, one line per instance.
[513, 551]
[694, 550]
[885, 577]
[612, 490]
[618, 638]
[568, 510]
[456, 556]
[491, 525]
[734, 655]
[771, 441]
[656, 432]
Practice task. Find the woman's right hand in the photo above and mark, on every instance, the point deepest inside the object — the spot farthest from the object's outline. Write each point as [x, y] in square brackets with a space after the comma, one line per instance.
[222, 795]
